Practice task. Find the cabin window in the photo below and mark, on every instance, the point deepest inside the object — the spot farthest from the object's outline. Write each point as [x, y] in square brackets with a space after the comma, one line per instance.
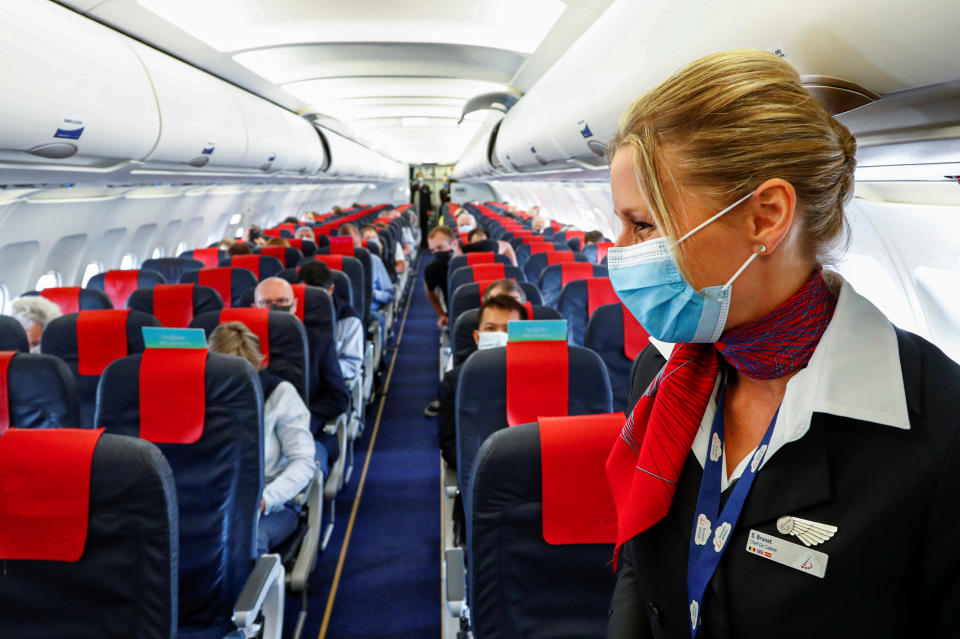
[92, 269]
[50, 279]
[213, 240]
[157, 253]
[239, 233]
[128, 261]
[938, 297]
[181, 247]
[3, 297]
[235, 219]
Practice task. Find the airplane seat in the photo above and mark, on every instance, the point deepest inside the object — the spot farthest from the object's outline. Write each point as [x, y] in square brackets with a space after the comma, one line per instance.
[466, 323]
[12, 335]
[208, 423]
[616, 336]
[210, 256]
[288, 255]
[501, 387]
[373, 249]
[307, 248]
[342, 290]
[555, 277]
[352, 269]
[645, 367]
[474, 258]
[229, 282]
[477, 272]
[117, 575]
[574, 240]
[468, 296]
[340, 247]
[535, 246]
[262, 266]
[579, 299]
[174, 305]
[597, 253]
[540, 261]
[36, 391]
[88, 342]
[71, 299]
[173, 268]
[120, 284]
[519, 584]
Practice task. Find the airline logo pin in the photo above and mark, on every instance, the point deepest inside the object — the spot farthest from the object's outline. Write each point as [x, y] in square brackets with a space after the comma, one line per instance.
[811, 533]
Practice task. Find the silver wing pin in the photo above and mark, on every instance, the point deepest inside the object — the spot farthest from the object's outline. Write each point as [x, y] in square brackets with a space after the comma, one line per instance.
[809, 532]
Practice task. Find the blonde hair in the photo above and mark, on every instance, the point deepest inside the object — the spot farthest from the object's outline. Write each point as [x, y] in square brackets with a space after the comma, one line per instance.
[277, 241]
[234, 338]
[33, 309]
[733, 120]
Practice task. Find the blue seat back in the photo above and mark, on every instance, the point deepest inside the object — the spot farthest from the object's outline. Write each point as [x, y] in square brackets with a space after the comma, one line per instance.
[205, 300]
[465, 275]
[269, 266]
[466, 323]
[518, 584]
[12, 335]
[352, 268]
[482, 400]
[172, 268]
[538, 262]
[288, 256]
[574, 305]
[467, 296]
[41, 392]
[145, 279]
[604, 336]
[60, 339]
[219, 481]
[288, 346]
[342, 290]
[459, 261]
[241, 280]
[89, 299]
[362, 256]
[125, 583]
[551, 282]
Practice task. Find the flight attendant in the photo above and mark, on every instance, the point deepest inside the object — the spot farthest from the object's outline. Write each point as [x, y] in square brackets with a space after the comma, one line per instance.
[794, 469]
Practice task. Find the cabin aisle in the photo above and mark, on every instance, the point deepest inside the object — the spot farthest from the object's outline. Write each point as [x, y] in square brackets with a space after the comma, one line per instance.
[389, 583]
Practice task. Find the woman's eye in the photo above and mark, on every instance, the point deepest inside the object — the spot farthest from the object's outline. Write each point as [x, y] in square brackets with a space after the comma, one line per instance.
[639, 227]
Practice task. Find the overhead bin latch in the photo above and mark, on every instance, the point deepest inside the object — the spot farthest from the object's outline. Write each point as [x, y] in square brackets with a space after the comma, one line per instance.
[497, 101]
[54, 150]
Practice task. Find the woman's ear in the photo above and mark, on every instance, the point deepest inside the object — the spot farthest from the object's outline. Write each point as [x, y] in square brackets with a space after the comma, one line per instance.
[772, 214]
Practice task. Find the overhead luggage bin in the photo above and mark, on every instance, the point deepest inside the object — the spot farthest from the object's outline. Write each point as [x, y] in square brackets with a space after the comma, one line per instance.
[349, 159]
[573, 110]
[477, 160]
[78, 97]
[269, 146]
[203, 127]
[307, 154]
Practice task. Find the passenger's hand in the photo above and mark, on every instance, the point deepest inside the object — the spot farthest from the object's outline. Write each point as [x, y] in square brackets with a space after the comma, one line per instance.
[443, 321]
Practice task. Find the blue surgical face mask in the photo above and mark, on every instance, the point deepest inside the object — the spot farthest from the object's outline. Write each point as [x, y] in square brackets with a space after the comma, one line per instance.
[466, 228]
[491, 339]
[648, 282]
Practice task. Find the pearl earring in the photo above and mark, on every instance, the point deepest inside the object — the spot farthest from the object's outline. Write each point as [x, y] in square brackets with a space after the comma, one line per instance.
[762, 249]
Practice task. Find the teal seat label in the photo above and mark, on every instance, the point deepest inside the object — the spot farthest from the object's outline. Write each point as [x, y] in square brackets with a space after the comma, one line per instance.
[154, 337]
[537, 331]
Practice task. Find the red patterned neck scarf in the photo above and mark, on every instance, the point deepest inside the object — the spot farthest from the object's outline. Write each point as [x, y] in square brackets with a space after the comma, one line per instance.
[646, 460]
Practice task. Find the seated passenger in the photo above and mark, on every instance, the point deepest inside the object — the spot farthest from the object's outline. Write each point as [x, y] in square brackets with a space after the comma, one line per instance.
[443, 244]
[226, 243]
[254, 235]
[239, 248]
[466, 223]
[504, 287]
[371, 233]
[491, 332]
[277, 241]
[34, 313]
[592, 237]
[382, 285]
[305, 233]
[406, 235]
[310, 217]
[538, 224]
[290, 220]
[328, 396]
[349, 334]
[288, 448]
[503, 248]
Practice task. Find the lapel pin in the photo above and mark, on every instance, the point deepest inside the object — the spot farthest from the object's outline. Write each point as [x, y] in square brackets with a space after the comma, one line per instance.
[809, 532]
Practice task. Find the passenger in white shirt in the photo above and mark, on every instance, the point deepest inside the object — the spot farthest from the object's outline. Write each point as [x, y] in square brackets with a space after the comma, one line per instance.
[349, 332]
[288, 447]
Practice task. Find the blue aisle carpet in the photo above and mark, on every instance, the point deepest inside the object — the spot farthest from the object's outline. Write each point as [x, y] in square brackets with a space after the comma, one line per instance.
[390, 583]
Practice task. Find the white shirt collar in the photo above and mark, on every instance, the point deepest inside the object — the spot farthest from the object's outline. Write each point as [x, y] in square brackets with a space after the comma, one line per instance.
[854, 372]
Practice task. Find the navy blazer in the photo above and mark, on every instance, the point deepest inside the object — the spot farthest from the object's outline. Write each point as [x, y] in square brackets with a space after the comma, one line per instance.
[893, 564]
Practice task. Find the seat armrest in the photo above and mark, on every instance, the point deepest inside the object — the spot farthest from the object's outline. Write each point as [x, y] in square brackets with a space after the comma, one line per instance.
[307, 556]
[263, 593]
[450, 487]
[333, 426]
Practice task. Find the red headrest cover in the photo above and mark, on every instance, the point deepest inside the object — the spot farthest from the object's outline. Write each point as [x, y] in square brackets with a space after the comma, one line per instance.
[295, 243]
[249, 262]
[118, 285]
[66, 297]
[45, 492]
[537, 381]
[578, 507]
[333, 261]
[272, 232]
[599, 292]
[529, 307]
[481, 257]
[5, 358]
[542, 247]
[341, 245]
[173, 304]
[300, 294]
[559, 257]
[172, 395]
[219, 279]
[101, 339]
[209, 256]
[287, 227]
[488, 271]
[257, 320]
[602, 248]
[635, 337]
[279, 252]
[575, 271]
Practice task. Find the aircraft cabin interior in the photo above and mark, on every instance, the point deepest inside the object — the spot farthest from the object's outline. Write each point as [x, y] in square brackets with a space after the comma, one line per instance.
[482, 319]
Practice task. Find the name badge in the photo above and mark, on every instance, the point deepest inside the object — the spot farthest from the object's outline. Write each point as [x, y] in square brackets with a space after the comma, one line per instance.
[787, 553]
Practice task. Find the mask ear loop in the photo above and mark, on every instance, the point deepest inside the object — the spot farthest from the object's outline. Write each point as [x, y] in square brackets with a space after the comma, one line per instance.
[760, 251]
[715, 217]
